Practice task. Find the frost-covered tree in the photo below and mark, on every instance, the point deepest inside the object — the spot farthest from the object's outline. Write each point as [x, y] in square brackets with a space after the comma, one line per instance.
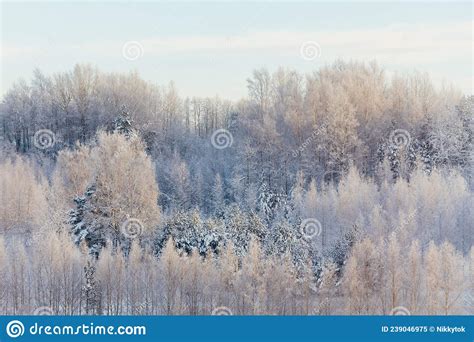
[412, 278]
[123, 189]
[23, 202]
[327, 288]
[172, 275]
[363, 278]
[123, 124]
[173, 225]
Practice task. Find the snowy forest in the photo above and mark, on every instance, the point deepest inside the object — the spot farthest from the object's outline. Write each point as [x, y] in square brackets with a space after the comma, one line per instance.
[348, 190]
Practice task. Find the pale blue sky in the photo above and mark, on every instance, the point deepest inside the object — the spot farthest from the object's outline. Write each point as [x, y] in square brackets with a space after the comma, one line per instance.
[211, 48]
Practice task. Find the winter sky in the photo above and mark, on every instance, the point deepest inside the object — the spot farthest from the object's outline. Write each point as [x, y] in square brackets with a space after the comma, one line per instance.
[211, 48]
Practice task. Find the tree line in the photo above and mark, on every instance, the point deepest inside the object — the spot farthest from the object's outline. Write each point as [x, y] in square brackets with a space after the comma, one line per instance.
[340, 192]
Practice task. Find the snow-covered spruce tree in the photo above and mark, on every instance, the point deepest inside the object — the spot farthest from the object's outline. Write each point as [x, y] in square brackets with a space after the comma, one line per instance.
[82, 228]
[189, 232]
[285, 237]
[91, 290]
[241, 226]
[402, 158]
[448, 139]
[123, 124]
[212, 237]
[342, 249]
[281, 238]
[271, 204]
[184, 228]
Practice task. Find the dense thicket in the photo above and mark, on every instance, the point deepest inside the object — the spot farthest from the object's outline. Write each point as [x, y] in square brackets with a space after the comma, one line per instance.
[340, 188]
[339, 115]
[54, 276]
